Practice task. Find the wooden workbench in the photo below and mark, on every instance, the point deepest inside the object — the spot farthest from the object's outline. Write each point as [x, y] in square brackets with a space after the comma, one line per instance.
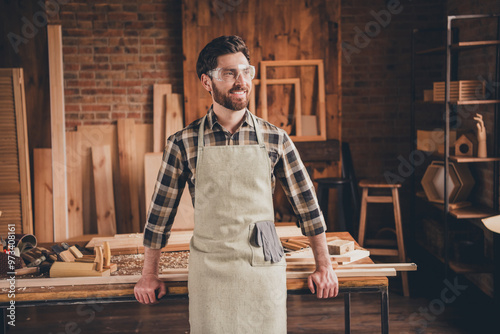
[118, 292]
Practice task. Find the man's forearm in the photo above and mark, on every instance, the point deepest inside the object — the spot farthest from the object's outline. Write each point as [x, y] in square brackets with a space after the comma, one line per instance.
[151, 261]
[320, 250]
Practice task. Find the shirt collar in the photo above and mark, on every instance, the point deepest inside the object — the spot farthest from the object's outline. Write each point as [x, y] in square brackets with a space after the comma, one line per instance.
[212, 119]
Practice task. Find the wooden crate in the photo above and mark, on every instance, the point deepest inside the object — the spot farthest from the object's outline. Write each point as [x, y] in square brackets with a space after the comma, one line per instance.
[463, 90]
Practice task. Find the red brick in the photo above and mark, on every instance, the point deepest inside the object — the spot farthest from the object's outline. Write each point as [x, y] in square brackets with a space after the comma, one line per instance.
[126, 83]
[124, 58]
[154, 75]
[70, 75]
[111, 99]
[122, 16]
[103, 116]
[96, 91]
[71, 91]
[72, 107]
[80, 83]
[87, 75]
[96, 107]
[118, 115]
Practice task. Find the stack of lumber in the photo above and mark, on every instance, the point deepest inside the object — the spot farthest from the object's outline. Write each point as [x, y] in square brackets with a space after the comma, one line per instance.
[99, 179]
[178, 241]
[168, 119]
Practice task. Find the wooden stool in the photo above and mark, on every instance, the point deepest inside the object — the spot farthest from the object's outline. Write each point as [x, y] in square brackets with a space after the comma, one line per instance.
[365, 185]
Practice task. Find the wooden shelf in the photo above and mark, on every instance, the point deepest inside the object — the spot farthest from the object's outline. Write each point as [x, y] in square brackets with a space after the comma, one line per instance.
[459, 46]
[456, 159]
[461, 268]
[469, 212]
[475, 102]
[470, 102]
[472, 212]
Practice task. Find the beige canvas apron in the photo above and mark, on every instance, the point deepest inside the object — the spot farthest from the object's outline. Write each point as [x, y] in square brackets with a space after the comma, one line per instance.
[232, 289]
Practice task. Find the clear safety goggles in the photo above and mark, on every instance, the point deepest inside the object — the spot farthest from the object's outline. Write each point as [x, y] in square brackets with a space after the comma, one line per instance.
[231, 74]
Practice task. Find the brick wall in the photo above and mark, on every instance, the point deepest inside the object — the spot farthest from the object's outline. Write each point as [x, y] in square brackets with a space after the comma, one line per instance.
[114, 52]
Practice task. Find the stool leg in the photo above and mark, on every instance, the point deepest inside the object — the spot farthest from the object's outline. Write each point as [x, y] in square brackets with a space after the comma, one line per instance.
[399, 234]
[362, 217]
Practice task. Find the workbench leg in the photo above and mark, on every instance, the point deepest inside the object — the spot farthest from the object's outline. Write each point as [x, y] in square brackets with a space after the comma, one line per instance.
[3, 322]
[384, 310]
[347, 312]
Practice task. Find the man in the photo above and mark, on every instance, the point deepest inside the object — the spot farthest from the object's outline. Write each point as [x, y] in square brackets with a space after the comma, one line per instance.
[230, 159]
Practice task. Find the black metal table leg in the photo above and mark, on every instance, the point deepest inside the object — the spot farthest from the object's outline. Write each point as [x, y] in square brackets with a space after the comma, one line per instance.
[347, 312]
[3, 322]
[384, 310]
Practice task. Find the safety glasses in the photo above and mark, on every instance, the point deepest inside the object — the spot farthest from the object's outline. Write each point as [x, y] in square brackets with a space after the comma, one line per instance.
[231, 74]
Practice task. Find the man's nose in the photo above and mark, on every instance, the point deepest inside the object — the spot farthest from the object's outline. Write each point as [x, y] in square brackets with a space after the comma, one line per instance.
[239, 78]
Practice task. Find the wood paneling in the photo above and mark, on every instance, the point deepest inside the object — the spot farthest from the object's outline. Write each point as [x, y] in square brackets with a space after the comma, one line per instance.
[272, 30]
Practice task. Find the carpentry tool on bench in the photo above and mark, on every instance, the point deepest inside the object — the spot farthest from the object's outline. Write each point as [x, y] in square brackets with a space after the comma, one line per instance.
[100, 266]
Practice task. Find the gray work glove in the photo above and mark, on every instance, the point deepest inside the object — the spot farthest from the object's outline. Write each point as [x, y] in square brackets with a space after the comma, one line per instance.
[267, 238]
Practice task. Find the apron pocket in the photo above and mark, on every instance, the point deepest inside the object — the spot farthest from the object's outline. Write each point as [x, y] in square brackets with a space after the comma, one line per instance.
[258, 244]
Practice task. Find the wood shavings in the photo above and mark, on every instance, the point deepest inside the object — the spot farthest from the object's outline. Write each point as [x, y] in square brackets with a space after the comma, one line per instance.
[131, 264]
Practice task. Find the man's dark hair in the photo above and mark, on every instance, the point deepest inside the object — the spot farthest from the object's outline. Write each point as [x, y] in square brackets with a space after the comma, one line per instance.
[207, 60]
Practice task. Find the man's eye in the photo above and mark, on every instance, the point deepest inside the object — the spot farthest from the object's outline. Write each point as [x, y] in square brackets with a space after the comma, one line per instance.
[227, 73]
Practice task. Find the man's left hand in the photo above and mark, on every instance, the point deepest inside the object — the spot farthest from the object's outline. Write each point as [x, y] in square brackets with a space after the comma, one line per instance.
[324, 282]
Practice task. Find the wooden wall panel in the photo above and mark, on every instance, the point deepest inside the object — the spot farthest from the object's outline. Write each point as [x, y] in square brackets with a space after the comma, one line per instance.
[15, 189]
[273, 30]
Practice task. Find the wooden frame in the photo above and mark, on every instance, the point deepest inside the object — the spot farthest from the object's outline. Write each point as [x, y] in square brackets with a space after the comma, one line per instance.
[298, 108]
[321, 113]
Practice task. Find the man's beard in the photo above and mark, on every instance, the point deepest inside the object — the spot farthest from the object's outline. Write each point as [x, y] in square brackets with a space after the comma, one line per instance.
[226, 101]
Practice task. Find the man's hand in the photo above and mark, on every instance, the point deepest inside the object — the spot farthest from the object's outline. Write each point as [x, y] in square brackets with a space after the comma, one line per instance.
[326, 282]
[145, 289]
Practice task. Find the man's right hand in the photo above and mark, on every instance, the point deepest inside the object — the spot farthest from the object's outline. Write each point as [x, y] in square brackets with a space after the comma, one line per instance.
[145, 289]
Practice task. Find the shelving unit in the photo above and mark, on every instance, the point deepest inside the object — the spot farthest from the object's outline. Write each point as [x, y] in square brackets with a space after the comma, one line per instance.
[472, 213]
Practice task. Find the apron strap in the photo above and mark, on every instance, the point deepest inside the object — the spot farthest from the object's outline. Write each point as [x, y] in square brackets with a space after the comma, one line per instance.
[201, 131]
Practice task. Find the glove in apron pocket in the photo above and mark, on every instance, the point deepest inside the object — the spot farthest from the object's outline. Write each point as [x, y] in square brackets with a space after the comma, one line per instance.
[258, 259]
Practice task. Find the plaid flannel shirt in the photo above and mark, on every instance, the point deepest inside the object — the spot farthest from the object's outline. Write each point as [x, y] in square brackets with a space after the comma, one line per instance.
[179, 166]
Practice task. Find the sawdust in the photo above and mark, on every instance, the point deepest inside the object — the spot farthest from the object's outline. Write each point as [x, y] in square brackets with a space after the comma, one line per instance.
[132, 264]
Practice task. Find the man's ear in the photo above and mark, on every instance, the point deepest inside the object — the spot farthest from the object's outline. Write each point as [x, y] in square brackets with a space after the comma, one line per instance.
[206, 82]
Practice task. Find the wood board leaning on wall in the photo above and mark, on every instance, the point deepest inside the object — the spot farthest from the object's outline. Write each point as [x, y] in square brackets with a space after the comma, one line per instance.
[15, 189]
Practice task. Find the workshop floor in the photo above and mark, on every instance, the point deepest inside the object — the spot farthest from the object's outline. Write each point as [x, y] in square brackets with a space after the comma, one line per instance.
[306, 314]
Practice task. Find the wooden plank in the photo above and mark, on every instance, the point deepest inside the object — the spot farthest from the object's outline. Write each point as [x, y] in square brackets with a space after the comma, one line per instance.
[104, 196]
[75, 184]
[174, 114]
[98, 135]
[22, 146]
[75, 269]
[42, 164]
[59, 175]
[128, 175]
[159, 106]
[144, 141]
